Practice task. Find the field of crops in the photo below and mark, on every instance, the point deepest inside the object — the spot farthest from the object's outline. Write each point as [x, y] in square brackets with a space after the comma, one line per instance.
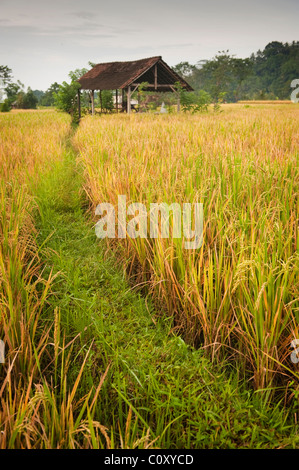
[31, 143]
[238, 294]
[171, 354]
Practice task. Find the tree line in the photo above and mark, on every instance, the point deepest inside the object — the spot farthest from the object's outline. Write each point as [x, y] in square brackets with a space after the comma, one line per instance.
[13, 94]
[265, 75]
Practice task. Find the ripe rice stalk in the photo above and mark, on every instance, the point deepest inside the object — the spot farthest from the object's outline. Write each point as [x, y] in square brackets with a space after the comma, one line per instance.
[238, 293]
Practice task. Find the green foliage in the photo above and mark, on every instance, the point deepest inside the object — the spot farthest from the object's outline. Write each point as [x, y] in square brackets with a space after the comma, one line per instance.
[13, 89]
[26, 100]
[5, 74]
[77, 73]
[224, 73]
[196, 102]
[5, 106]
[19, 98]
[265, 75]
[66, 97]
[218, 102]
[184, 69]
[143, 96]
[38, 94]
[15, 92]
[48, 98]
[106, 100]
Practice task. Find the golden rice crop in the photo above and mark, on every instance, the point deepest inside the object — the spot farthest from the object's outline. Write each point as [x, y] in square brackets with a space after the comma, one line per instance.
[32, 413]
[238, 293]
[29, 143]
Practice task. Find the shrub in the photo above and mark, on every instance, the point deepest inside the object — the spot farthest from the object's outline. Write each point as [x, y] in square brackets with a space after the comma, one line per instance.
[5, 107]
[196, 102]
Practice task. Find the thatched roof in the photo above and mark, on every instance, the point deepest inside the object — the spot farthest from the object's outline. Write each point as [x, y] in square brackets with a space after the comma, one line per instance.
[120, 75]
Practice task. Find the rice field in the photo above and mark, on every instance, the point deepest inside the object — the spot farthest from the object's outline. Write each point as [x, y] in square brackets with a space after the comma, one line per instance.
[95, 359]
[236, 296]
[31, 413]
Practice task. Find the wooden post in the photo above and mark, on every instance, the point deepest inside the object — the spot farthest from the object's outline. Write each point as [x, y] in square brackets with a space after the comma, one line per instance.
[129, 100]
[92, 102]
[156, 76]
[122, 100]
[116, 100]
[79, 104]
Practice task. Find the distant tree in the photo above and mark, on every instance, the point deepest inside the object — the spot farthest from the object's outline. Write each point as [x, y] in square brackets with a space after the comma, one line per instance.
[5, 107]
[5, 74]
[15, 92]
[13, 89]
[29, 100]
[26, 100]
[2, 93]
[48, 97]
[184, 69]
[267, 74]
[38, 94]
[5, 78]
[275, 67]
[241, 69]
[223, 74]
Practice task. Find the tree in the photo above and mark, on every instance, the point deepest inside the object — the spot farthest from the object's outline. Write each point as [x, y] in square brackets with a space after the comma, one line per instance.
[26, 100]
[76, 74]
[38, 94]
[223, 74]
[2, 94]
[48, 97]
[195, 102]
[5, 78]
[242, 69]
[13, 89]
[267, 74]
[184, 69]
[5, 74]
[29, 100]
[5, 107]
[66, 97]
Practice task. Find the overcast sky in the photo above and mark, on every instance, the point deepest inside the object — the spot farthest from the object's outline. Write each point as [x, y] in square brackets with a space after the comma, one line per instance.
[41, 41]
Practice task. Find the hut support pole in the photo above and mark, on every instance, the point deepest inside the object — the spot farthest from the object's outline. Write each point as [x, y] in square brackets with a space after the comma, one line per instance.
[92, 102]
[129, 100]
[122, 99]
[116, 100]
[79, 104]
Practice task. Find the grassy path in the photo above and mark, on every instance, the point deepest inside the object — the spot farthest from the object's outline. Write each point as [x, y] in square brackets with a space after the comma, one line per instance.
[156, 389]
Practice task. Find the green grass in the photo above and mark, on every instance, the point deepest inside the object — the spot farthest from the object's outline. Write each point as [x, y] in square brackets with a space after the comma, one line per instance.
[156, 391]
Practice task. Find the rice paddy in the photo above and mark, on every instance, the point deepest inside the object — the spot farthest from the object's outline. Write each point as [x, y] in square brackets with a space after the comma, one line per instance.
[140, 343]
[238, 294]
